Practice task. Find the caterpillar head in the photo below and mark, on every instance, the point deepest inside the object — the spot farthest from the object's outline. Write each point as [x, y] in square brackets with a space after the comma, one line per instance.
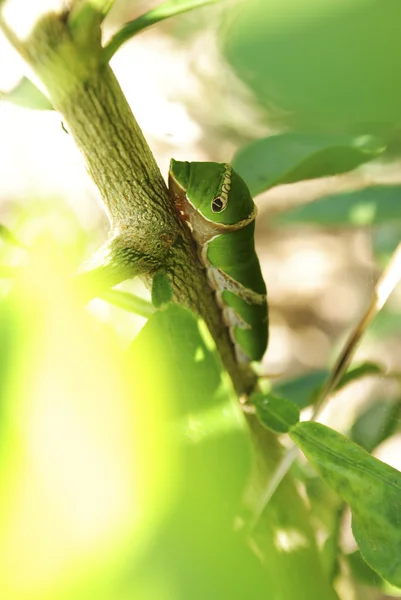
[215, 190]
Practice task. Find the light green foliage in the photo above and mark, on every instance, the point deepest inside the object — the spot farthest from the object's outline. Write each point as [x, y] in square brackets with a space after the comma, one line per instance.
[375, 423]
[196, 553]
[293, 54]
[278, 414]
[26, 94]
[129, 302]
[375, 205]
[136, 474]
[296, 156]
[162, 293]
[209, 422]
[370, 487]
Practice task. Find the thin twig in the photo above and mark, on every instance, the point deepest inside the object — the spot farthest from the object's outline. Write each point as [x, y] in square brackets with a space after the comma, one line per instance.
[163, 11]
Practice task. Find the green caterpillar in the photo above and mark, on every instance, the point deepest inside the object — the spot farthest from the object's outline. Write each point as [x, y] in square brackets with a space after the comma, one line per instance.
[219, 209]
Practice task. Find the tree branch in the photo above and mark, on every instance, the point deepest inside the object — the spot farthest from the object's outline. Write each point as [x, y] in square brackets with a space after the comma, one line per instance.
[146, 232]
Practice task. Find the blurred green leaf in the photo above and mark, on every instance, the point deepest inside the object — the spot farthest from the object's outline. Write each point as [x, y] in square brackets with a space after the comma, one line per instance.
[304, 390]
[369, 486]
[322, 63]
[162, 293]
[301, 390]
[28, 95]
[129, 302]
[358, 371]
[292, 157]
[376, 423]
[196, 550]
[74, 423]
[277, 414]
[206, 414]
[7, 235]
[164, 10]
[370, 206]
[385, 239]
[386, 324]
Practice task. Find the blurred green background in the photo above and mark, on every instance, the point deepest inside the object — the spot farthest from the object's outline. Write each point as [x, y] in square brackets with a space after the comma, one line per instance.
[121, 470]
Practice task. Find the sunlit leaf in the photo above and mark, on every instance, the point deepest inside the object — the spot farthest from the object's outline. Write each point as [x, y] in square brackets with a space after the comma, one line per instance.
[277, 414]
[214, 455]
[28, 95]
[78, 497]
[292, 157]
[374, 205]
[369, 486]
[208, 420]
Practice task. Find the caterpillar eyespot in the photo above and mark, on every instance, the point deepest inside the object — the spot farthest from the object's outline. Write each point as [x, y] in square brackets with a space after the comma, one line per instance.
[219, 204]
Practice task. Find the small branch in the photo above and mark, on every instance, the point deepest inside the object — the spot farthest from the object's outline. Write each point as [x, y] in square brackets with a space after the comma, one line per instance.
[165, 10]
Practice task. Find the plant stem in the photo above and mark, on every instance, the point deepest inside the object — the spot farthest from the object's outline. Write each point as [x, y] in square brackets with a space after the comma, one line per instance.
[164, 11]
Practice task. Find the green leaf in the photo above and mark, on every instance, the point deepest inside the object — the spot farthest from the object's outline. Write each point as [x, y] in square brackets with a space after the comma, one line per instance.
[28, 95]
[369, 486]
[294, 156]
[165, 10]
[215, 451]
[321, 63]
[277, 414]
[128, 302]
[374, 205]
[376, 423]
[358, 371]
[304, 390]
[183, 367]
[361, 570]
[162, 293]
